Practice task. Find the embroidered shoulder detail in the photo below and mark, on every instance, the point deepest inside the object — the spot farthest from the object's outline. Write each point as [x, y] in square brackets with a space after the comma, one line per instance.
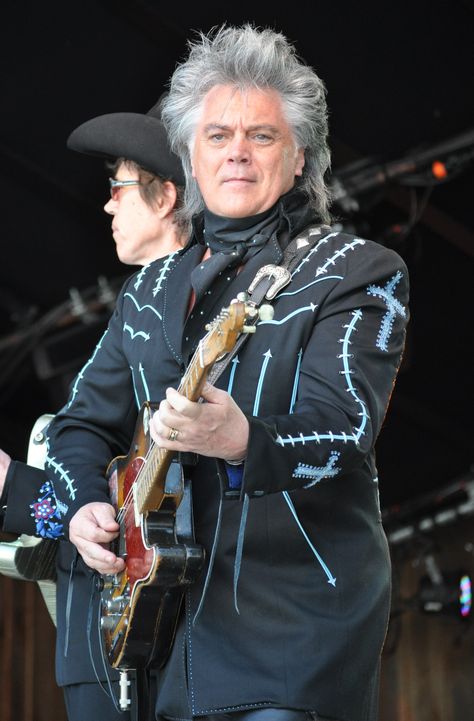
[394, 308]
[339, 253]
[140, 276]
[164, 271]
[81, 373]
[45, 511]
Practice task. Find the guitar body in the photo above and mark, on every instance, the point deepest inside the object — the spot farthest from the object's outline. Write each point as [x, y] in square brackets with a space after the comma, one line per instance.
[140, 606]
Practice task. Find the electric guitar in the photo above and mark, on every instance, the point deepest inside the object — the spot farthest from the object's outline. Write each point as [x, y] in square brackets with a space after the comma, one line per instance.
[140, 606]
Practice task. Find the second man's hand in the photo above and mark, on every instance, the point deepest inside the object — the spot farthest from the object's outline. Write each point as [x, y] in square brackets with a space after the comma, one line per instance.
[91, 530]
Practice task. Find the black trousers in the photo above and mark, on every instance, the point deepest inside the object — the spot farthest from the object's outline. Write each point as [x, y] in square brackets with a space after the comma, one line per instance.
[266, 714]
[90, 701]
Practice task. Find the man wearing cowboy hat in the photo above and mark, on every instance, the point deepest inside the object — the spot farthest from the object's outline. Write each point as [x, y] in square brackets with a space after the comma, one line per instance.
[146, 189]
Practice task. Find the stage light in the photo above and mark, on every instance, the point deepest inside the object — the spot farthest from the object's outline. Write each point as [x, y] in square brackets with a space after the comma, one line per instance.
[448, 593]
[465, 596]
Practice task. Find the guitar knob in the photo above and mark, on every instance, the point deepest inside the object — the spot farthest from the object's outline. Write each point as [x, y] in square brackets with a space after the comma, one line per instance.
[266, 312]
[108, 582]
[99, 583]
[108, 623]
[116, 605]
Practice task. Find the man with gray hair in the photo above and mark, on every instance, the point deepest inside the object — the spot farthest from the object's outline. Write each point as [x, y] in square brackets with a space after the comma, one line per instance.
[288, 618]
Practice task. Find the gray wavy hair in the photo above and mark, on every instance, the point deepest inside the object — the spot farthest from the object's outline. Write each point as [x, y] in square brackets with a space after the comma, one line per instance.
[249, 57]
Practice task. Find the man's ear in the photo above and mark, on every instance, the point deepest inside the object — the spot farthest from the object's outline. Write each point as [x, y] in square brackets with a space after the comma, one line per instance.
[169, 196]
[299, 161]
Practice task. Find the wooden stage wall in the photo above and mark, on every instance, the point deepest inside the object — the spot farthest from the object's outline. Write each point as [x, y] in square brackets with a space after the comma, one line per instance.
[427, 665]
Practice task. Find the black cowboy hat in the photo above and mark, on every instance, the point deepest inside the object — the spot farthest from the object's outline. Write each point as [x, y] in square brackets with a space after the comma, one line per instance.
[134, 136]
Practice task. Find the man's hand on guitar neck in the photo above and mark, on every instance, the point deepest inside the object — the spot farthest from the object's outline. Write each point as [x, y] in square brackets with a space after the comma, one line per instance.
[216, 428]
[5, 461]
[91, 530]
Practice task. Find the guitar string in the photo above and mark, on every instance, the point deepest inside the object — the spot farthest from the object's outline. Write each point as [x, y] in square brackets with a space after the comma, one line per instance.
[183, 388]
[196, 368]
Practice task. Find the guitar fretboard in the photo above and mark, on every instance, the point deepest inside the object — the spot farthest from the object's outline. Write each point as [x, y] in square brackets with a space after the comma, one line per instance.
[155, 468]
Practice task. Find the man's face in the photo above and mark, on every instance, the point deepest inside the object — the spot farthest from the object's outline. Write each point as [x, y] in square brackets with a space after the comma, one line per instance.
[244, 156]
[136, 227]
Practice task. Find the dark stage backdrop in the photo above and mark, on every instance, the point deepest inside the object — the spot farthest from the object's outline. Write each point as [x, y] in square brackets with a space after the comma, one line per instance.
[399, 78]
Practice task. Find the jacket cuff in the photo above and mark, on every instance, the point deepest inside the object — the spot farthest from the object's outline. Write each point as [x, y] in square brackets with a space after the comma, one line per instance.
[22, 492]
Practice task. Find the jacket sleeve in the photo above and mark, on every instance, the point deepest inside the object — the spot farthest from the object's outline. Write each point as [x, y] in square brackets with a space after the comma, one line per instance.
[346, 376]
[29, 506]
[95, 425]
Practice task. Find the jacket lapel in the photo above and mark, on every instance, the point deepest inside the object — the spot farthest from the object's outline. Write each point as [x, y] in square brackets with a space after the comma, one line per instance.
[176, 299]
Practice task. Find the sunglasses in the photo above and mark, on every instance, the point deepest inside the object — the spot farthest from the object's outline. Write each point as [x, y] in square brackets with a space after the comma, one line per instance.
[117, 185]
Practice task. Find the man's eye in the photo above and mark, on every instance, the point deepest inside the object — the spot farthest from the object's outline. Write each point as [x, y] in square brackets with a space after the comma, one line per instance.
[216, 137]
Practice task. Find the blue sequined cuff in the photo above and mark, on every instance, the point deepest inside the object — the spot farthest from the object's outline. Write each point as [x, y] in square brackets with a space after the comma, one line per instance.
[45, 513]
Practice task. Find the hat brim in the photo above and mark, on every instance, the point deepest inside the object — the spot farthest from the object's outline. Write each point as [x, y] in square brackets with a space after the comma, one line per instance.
[134, 136]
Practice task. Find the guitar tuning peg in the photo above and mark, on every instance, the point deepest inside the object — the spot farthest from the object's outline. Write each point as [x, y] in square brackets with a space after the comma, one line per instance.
[242, 297]
[249, 329]
[266, 312]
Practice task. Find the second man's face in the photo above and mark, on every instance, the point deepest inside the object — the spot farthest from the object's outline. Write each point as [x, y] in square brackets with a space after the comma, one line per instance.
[137, 228]
[244, 157]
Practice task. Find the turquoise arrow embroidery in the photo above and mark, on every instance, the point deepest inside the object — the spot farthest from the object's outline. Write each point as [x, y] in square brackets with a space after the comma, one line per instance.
[232, 374]
[330, 577]
[263, 370]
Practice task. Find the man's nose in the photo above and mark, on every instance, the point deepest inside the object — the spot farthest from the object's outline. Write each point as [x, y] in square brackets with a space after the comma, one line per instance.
[239, 149]
[110, 206]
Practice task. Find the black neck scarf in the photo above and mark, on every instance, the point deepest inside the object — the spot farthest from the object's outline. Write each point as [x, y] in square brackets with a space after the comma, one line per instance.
[232, 241]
